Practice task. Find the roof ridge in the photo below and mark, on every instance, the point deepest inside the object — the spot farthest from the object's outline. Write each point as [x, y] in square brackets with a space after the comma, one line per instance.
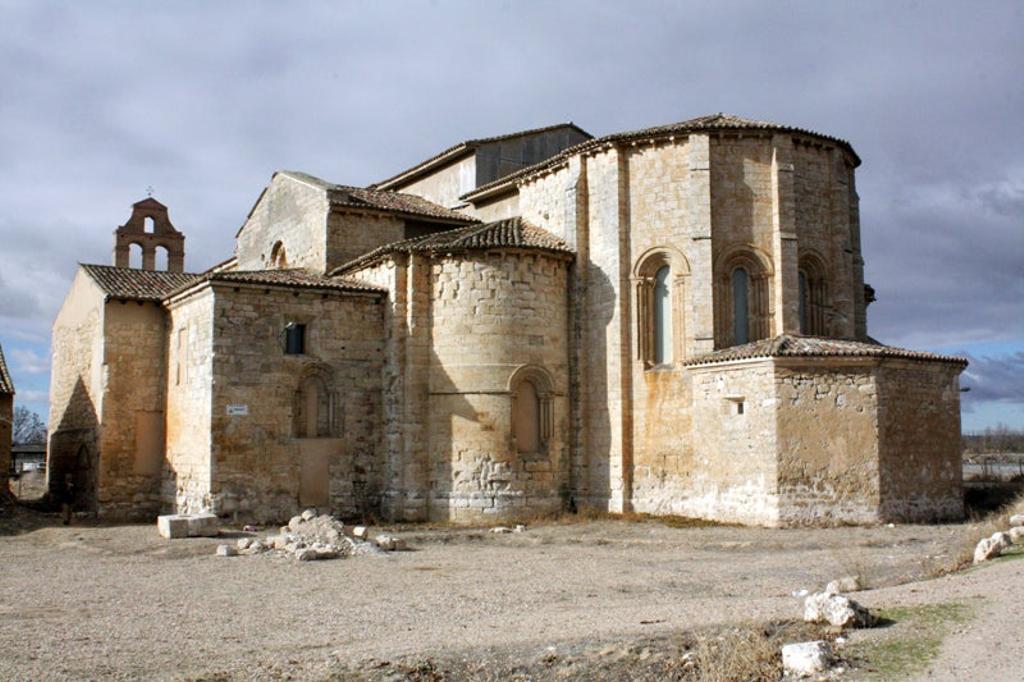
[472, 143]
[715, 121]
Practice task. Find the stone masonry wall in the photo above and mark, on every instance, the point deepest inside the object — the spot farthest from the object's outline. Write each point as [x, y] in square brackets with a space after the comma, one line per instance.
[446, 185]
[492, 315]
[827, 442]
[189, 469]
[258, 458]
[131, 443]
[919, 441]
[350, 235]
[734, 472]
[76, 387]
[289, 211]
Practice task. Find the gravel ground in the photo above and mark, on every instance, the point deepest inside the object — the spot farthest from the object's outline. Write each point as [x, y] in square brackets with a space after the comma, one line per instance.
[94, 601]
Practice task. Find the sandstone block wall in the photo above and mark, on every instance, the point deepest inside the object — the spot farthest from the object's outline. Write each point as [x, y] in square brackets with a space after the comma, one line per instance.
[827, 442]
[734, 472]
[919, 441]
[6, 421]
[132, 439]
[258, 457]
[492, 316]
[76, 391]
[187, 479]
[350, 235]
[292, 212]
[445, 185]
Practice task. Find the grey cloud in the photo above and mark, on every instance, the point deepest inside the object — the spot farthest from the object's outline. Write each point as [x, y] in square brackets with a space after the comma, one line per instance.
[995, 379]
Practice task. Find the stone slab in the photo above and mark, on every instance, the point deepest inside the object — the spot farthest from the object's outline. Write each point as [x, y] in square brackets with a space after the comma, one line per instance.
[172, 526]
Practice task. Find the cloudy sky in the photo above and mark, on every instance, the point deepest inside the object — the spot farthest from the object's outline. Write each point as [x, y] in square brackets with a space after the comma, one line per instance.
[204, 100]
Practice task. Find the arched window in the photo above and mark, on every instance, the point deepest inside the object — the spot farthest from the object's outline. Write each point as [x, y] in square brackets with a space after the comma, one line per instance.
[532, 417]
[742, 297]
[814, 304]
[659, 277]
[662, 313]
[278, 256]
[740, 306]
[314, 410]
[162, 258]
[526, 417]
[135, 255]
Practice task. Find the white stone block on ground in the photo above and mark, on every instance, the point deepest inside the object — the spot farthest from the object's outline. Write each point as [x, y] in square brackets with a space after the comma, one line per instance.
[991, 547]
[244, 543]
[226, 550]
[501, 529]
[1017, 535]
[806, 658]
[836, 610]
[1017, 520]
[361, 532]
[172, 526]
[389, 543]
[309, 515]
[204, 525]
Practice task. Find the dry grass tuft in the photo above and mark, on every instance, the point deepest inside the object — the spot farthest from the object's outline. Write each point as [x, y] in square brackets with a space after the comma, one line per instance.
[748, 652]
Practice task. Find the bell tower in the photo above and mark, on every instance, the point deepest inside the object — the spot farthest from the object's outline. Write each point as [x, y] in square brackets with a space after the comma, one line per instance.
[150, 228]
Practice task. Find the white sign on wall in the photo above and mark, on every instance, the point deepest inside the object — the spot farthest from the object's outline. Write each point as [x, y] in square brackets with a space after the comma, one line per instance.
[238, 410]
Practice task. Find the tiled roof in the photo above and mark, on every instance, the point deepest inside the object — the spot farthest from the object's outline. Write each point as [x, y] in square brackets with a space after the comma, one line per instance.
[792, 345]
[512, 233]
[719, 121]
[383, 200]
[468, 146]
[293, 278]
[6, 383]
[138, 285]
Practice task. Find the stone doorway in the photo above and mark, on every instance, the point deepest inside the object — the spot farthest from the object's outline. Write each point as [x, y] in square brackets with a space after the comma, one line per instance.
[315, 470]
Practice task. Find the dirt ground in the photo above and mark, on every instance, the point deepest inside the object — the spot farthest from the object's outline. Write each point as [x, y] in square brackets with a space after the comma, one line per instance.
[605, 599]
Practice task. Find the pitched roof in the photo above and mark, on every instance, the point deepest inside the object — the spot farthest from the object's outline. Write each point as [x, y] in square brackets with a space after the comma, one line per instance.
[793, 345]
[299, 278]
[719, 121]
[382, 200]
[467, 146]
[6, 383]
[138, 285]
[511, 233]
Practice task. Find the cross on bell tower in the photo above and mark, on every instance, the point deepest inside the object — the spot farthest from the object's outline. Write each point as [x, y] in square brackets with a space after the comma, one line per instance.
[150, 228]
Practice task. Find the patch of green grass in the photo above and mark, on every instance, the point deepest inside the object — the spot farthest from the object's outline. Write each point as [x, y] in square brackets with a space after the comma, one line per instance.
[915, 641]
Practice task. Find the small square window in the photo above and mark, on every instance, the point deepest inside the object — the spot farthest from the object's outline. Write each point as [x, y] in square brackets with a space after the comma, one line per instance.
[294, 339]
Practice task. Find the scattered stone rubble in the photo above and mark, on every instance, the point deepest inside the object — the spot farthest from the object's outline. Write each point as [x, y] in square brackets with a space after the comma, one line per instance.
[307, 537]
[836, 609]
[991, 547]
[850, 583]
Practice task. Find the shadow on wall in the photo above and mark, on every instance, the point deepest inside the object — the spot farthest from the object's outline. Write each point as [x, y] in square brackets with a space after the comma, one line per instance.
[74, 450]
[592, 430]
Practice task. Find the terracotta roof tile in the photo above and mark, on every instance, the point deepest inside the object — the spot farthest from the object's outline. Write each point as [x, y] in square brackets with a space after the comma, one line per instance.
[138, 285]
[512, 233]
[719, 121]
[6, 383]
[382, 200]
[299, 278]
[793, 345]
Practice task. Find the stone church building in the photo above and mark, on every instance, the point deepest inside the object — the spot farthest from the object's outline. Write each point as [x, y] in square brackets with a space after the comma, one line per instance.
[670, 320]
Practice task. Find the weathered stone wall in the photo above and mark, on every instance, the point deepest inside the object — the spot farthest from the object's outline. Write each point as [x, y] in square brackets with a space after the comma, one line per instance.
[919, 441]
[446, 185]
[513, 307]
[76, 391]
[734, 472]
[259, 460]
[497, 209]
[189, 468]
[350, 235]
[6, 422]
[291, 212]
[827, 441]
[131, 442]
